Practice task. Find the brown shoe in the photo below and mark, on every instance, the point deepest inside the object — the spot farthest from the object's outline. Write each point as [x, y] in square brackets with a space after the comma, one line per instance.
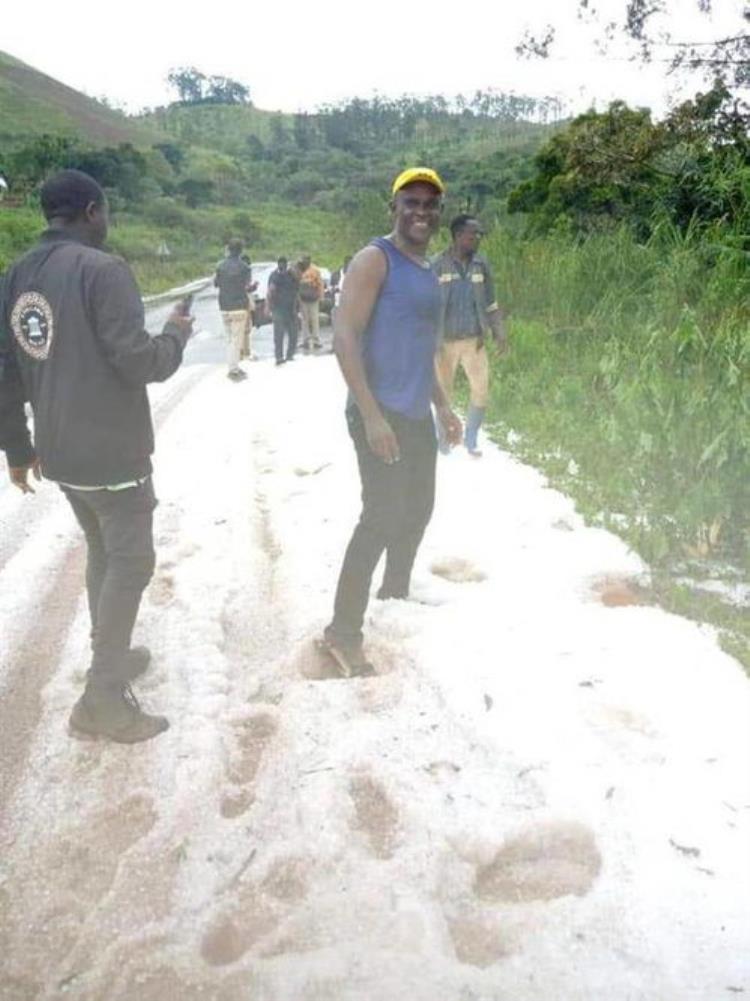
[114, 714]
[348, 657]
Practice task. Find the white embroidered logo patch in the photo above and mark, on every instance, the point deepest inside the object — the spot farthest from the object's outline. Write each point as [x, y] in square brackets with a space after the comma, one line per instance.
[33, 324]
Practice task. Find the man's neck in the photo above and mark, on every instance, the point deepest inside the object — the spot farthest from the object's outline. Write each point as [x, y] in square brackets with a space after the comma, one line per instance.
[69, 231]
[417, 251]
[462, 257]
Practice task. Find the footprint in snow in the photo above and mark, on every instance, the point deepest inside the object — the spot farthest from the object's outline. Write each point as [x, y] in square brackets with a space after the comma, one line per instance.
[458, 570]
[375, 815]
[251, 737]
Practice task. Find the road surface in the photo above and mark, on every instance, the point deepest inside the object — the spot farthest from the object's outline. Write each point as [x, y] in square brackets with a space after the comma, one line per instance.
[543, 795]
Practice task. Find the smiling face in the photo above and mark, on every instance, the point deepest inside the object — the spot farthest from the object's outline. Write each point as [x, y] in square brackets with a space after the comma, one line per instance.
[416, 214]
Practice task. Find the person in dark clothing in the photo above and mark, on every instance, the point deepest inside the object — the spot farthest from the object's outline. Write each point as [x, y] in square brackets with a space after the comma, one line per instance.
[233, 278]
[385, 338]
[283, 301]
[74, 346]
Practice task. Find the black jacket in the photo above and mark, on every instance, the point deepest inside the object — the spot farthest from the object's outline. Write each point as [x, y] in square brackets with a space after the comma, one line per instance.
[75, 346]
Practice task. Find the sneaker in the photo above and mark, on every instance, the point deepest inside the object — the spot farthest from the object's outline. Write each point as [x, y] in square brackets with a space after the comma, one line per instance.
[349, 657]
[236, 375]
[475, 453]
[114, 714]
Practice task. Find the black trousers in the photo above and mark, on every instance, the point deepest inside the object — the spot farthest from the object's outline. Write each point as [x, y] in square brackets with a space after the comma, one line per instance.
[397, 504]
[120, 561]
[284, 322]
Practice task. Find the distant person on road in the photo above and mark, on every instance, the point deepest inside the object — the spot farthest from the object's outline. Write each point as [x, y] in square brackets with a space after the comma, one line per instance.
[311, 290]
[233, 278]
[76, 349]
[469, 314]
[337, 280]
[283, 302]
[385, 338]
[337, 284]
[247, 339]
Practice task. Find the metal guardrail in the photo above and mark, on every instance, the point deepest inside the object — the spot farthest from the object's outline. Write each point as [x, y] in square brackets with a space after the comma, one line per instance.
[177, 293]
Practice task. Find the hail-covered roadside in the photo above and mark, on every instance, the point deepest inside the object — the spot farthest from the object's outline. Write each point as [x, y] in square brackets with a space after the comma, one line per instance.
[545, 792]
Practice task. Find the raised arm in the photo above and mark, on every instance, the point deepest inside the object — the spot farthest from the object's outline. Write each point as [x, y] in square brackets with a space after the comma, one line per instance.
[118, 319]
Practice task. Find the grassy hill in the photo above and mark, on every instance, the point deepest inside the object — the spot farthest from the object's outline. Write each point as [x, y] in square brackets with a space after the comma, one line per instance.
[32, 103]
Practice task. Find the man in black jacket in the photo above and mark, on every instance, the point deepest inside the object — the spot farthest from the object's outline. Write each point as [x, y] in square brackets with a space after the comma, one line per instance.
[74, 346]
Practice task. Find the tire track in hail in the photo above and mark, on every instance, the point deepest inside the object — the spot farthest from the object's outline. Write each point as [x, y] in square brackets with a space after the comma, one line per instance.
[33, 663]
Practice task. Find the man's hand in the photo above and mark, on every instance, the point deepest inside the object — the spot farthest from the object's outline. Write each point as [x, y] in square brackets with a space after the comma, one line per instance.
[382, 440]
[450, 424]
[499, 332]
[178, 319]
[19, 476]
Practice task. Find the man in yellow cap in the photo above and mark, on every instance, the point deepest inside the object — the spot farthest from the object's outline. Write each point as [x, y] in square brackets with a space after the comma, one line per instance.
[385, 339]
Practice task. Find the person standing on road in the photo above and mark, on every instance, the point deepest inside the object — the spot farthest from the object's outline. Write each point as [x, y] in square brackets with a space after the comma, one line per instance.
[283, 301]
[233, 278]
[385, 338]
[311, 290]
[77, 350]
[468, 314]
[247, 338]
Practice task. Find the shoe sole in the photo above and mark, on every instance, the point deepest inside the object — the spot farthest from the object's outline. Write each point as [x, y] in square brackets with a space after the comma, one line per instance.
[80, 733]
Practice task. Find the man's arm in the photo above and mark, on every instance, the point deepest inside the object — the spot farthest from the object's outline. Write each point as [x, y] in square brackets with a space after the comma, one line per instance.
[364, 280]
[495, 313]
[119, 324]
[15, 438]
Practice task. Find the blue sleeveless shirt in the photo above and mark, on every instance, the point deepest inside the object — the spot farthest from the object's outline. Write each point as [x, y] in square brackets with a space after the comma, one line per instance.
[399, 342]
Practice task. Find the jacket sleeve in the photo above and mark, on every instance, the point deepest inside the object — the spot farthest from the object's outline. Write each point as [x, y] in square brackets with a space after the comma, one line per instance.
[119, 325]
[15, 438]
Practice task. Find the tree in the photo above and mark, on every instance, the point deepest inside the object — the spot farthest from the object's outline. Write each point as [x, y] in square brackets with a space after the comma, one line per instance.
[725, 58]
[619, 165]
[196, 191]
[194, 87]
[172, 153]
[189, 84]
[224, 90]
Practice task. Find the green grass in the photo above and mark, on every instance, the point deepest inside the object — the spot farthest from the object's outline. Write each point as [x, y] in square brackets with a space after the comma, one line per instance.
[32, 103]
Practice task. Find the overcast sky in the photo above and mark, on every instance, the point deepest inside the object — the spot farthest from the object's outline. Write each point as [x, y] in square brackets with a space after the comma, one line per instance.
[296, 55]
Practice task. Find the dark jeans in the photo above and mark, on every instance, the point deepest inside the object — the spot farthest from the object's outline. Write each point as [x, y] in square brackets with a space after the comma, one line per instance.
[284, 322]
[397, 503]
[120, 561]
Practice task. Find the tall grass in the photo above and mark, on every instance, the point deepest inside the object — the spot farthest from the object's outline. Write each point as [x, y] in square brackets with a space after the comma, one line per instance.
[633, 359]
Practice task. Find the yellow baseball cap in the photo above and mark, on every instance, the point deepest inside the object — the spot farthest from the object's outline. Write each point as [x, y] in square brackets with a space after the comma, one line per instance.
[413, 174]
